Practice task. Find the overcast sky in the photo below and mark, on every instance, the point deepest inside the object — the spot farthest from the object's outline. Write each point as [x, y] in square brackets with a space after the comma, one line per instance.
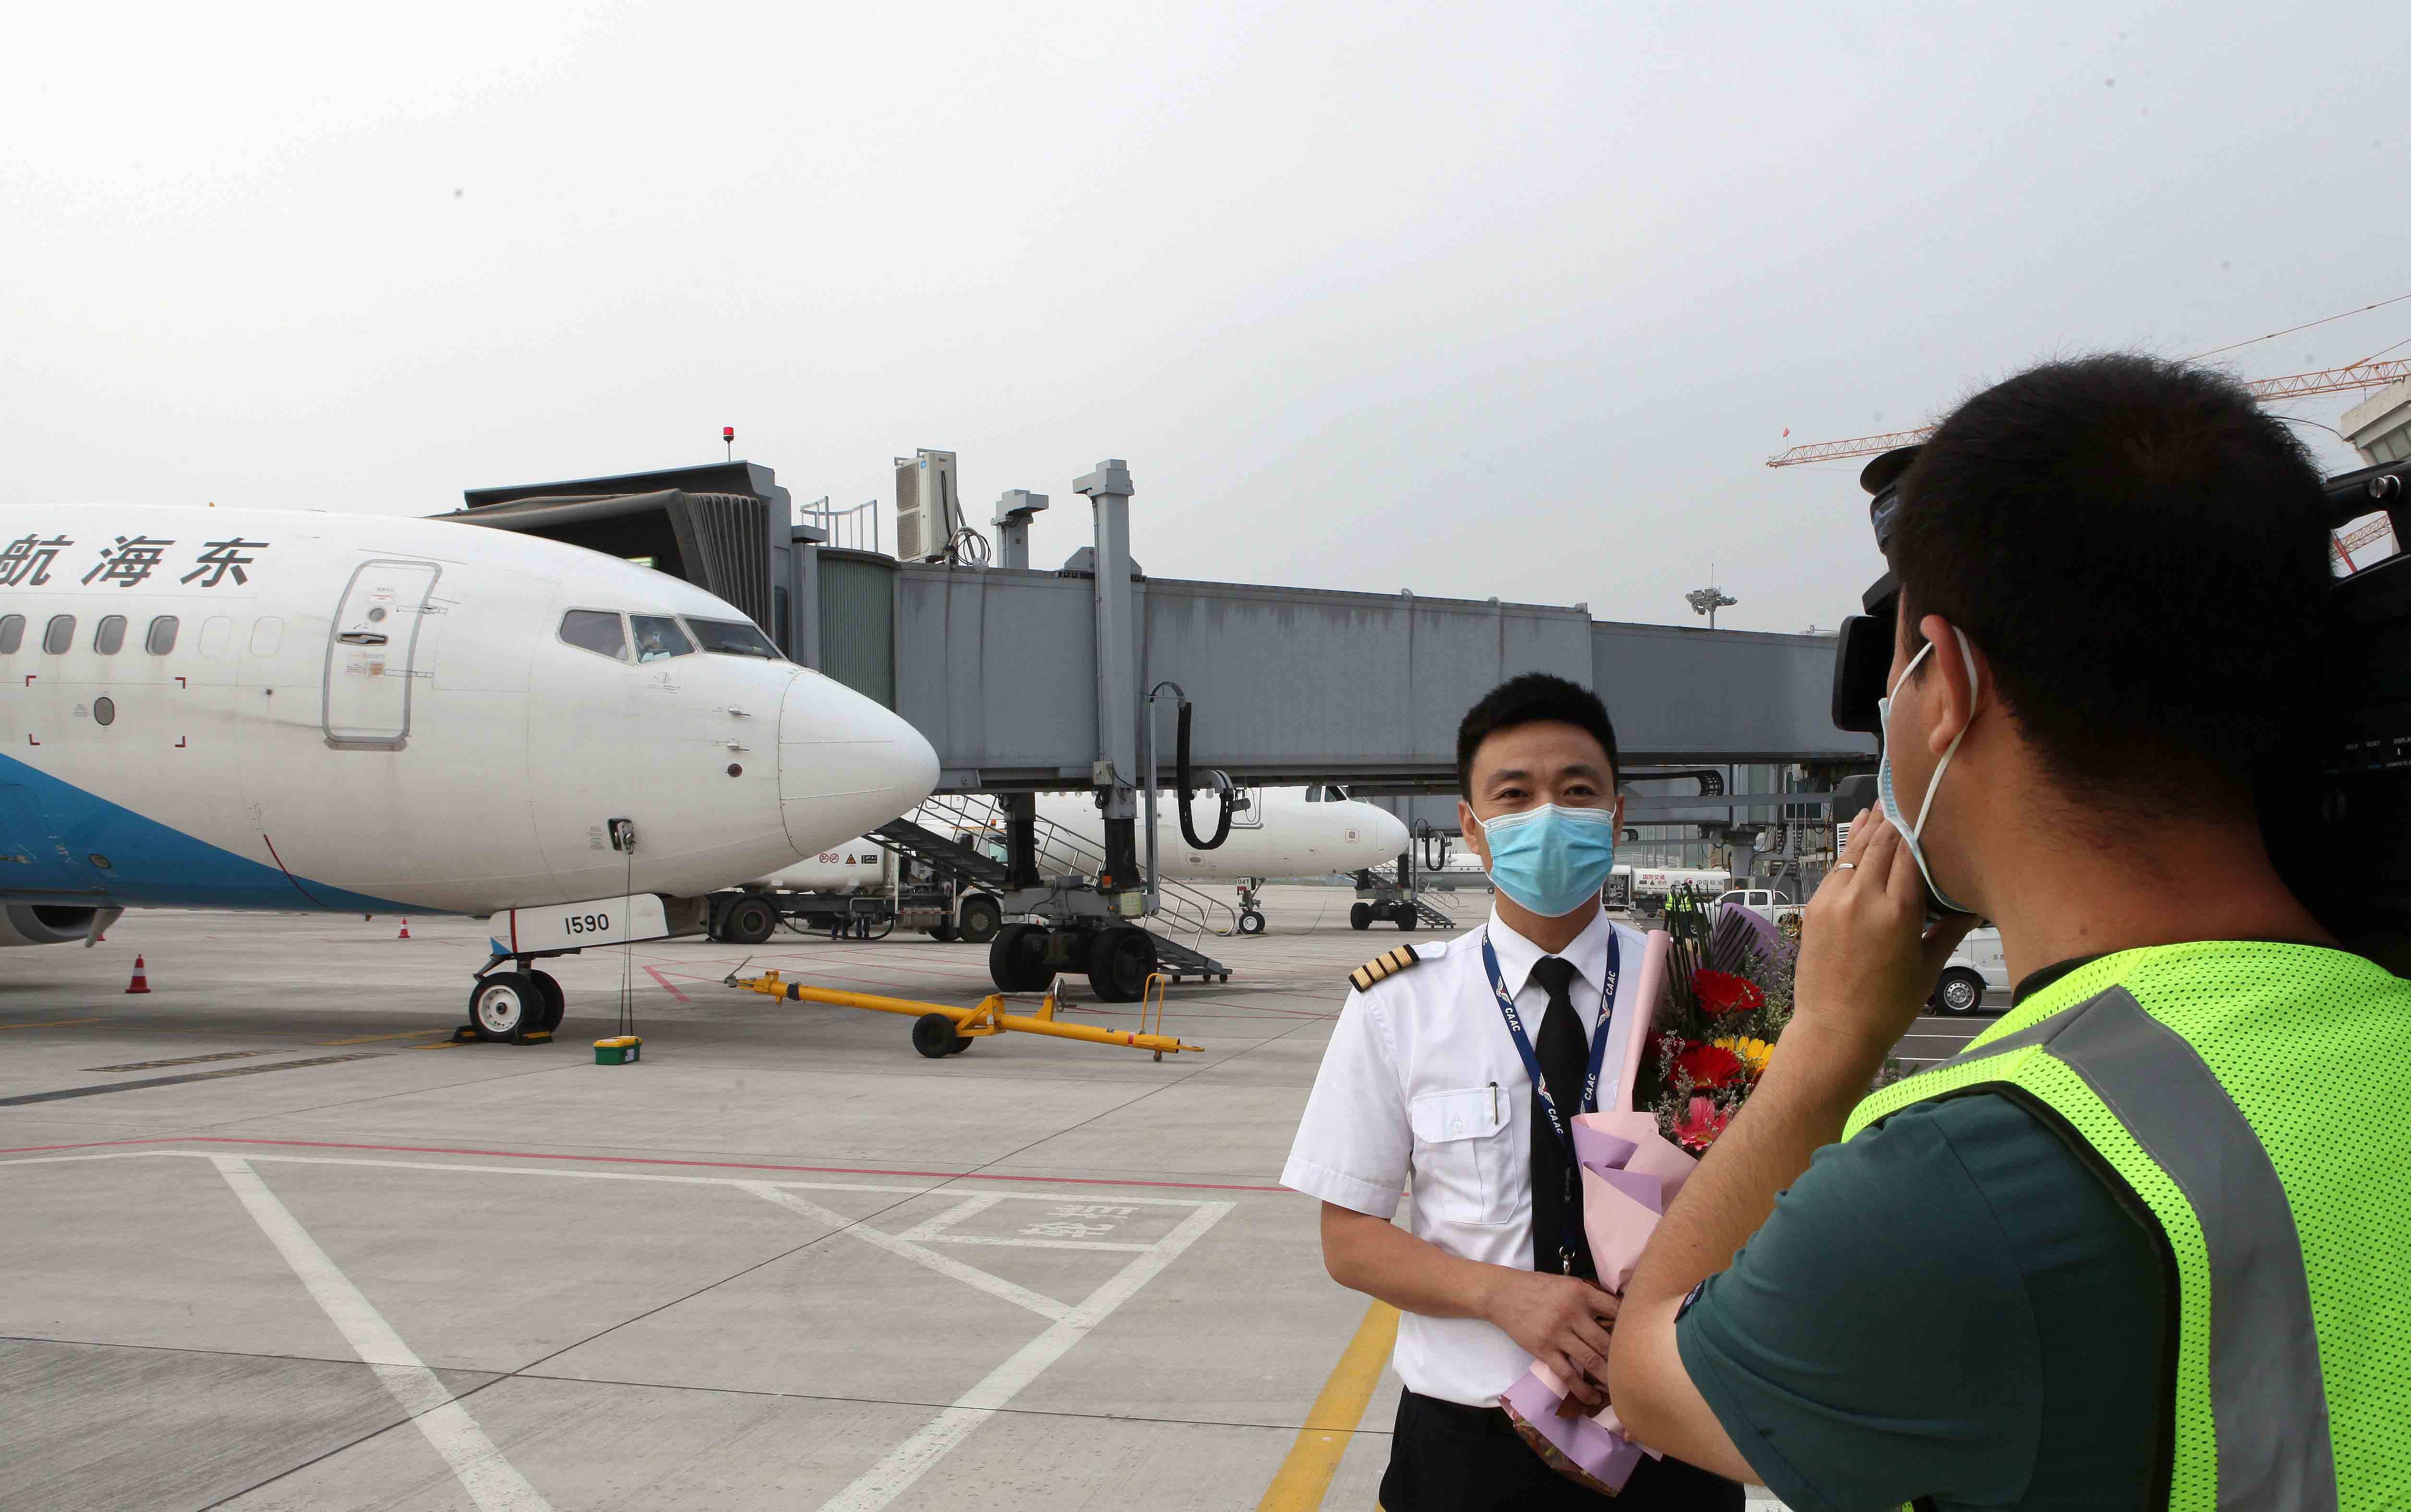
[1478, 301]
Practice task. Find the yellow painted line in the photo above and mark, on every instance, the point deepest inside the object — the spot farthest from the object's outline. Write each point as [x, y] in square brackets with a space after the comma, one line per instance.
[440, 1044]
[1304, 1476]
[373, 1039]
[51, 1024]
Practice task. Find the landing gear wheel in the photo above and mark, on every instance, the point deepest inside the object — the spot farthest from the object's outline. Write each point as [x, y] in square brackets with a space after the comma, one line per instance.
[749, 921]
[556, 1002]
[503, 1004]
[1251, 923]
[1360, 915]
[982, 917]
[934, 1035]
[1016, 959]
[1960, 992]
[1120, 960]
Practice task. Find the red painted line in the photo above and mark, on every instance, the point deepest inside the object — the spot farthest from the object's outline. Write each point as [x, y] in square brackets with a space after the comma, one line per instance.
[644, 1160]
[656, 973]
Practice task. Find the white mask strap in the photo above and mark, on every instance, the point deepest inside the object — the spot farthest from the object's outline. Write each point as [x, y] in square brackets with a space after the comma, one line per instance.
[1935, 784]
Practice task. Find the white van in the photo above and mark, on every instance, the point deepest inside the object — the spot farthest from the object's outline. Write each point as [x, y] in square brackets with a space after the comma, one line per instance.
[1975, 966]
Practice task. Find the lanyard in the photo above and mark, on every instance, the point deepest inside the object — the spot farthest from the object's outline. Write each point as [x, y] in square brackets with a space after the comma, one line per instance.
[1558, 1126]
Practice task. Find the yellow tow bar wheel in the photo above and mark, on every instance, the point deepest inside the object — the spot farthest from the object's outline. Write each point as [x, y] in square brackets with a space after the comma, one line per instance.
[942, 1030]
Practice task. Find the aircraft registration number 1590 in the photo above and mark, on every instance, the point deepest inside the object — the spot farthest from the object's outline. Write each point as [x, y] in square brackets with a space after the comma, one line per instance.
[577, 925]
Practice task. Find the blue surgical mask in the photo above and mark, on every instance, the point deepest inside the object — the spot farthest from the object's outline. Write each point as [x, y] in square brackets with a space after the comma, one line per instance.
[1551, 859]
[1910, 833]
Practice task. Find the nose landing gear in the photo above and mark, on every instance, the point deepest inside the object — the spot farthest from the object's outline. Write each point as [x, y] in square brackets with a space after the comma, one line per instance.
[517, 1007]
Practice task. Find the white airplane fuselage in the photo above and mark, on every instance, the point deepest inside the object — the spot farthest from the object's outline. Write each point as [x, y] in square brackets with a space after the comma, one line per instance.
[257, 709]
[1281, 835]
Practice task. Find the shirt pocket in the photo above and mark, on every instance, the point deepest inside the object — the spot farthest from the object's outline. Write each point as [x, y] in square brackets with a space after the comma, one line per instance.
[1461, 1170]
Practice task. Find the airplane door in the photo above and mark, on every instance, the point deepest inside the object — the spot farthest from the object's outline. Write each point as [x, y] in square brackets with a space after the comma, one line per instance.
[371, 653]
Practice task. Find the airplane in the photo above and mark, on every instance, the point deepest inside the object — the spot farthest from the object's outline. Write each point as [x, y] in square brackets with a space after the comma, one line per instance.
[289, 710]
[1282, 832]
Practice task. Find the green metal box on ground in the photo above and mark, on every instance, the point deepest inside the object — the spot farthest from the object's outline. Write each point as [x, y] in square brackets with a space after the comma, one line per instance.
[623, 1051]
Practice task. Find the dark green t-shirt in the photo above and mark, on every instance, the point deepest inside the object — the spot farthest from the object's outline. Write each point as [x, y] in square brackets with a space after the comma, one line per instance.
[1952, 1307]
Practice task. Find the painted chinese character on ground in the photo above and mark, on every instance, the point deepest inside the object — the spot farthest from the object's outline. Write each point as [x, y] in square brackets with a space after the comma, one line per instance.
[224, 556]
[1069, 1231]
[1089, 1209]
[27, 561]
[129, 561]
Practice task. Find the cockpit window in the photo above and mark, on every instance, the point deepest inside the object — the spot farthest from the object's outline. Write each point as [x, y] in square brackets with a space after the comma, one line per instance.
[658, 635]
[596, 631]
[733, 638]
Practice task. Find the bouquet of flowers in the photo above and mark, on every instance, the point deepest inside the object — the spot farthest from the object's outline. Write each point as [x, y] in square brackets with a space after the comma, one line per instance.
[1728, 997]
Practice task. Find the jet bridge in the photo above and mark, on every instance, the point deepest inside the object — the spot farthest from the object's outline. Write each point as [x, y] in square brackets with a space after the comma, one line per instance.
[1028, 679]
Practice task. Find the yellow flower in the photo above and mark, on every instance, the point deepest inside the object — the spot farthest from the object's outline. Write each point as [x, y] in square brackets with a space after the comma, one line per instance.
[1756, 1053]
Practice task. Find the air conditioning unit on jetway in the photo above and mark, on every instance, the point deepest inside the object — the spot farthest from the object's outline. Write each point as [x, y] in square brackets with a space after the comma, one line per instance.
[929, 511]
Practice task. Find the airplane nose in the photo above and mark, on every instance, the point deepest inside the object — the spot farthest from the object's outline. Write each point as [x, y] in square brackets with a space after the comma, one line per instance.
[1391, 831]
[846, 766]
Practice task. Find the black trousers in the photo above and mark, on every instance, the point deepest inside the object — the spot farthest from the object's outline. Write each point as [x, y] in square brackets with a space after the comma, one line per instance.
[1446, 1456]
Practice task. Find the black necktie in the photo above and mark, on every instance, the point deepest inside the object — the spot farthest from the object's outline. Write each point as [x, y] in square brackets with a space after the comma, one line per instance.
[1564, 1054]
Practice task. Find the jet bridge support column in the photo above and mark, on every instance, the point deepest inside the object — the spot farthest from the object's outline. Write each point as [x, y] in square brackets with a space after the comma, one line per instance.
[1117, 768]
[1020, 812]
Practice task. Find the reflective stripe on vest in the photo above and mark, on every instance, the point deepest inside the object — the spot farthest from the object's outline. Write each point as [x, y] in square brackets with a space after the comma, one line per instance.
[2266, 1394]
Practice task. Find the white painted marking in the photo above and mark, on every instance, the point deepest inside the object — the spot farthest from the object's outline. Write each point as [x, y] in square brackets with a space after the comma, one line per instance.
[1039, 1244]
[484, 1474]
[945, 1265]
[106, 1154]
[906, 1463]
[932, 1228]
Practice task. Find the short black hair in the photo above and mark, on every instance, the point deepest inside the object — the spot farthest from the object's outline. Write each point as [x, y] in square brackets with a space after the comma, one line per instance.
[1533, 698]
[2140, 551]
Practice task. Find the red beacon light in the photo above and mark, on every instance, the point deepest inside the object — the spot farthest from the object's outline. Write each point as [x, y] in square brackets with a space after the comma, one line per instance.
[728, 440]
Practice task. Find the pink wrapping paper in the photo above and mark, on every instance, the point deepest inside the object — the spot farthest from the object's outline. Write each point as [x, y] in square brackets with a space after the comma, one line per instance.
[1630, 1174]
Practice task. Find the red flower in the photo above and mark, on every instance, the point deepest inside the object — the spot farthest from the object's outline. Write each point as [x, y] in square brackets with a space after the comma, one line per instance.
[1722, 992]
[1710, 1065]
[1705, 1122]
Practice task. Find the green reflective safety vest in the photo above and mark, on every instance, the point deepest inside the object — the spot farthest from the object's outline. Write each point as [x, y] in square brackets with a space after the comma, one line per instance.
[2255, 1100]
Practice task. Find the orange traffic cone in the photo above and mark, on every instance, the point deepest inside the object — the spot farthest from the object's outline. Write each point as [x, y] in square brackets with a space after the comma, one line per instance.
[405, 930]
[140, 983]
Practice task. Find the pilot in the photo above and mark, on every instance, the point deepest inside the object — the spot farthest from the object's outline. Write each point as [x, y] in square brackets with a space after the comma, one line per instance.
[1425, 1087]
[649, 646]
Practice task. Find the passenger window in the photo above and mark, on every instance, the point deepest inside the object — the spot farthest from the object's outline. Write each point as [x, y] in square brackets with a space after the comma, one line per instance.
[595, 631]
[109, 636]
[216, 630]
[733, 638]
[12, 634]
[161, 640]
[59, 634]
[267, 635]
[657, 636]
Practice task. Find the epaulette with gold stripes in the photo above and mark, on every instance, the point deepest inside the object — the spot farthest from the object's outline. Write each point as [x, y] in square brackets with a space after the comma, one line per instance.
[1388, 964]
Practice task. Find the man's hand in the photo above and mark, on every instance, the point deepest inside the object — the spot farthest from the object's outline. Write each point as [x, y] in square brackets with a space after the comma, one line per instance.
[1560, 1320]
[1868, 963]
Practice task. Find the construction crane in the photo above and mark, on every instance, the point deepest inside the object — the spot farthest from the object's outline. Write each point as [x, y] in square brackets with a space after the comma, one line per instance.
[2293, 385]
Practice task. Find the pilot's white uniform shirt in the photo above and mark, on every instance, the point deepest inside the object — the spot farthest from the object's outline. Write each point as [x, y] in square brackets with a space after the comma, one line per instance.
[1422, 1089]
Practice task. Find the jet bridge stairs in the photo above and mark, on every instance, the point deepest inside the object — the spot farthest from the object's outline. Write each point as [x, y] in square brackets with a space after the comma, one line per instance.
[961, 838]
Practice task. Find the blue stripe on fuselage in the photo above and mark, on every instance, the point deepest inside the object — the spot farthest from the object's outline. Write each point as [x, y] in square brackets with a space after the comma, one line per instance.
[50, 829]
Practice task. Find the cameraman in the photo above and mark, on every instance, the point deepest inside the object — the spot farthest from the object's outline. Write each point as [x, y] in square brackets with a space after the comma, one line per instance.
[2138, 1245]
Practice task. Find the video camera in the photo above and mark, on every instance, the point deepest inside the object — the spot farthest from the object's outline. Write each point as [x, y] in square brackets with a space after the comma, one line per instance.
[2336, 810]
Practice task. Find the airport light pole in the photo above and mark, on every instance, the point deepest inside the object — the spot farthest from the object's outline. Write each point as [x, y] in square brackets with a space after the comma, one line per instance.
[1707, 601]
